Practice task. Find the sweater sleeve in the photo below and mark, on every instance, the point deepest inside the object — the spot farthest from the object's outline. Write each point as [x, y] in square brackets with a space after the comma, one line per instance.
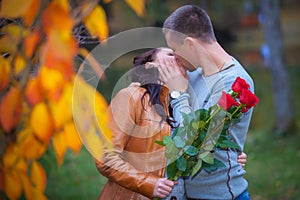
[112, 165]
[180, 105]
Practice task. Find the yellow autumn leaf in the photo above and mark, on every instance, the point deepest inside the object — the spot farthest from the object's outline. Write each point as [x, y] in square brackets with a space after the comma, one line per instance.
[14, 8]
[52, 82]
[61, 110]
[41, 122]
[88, 107]
[4, 73]
[60, 146]
[27, 186]
[19, 64]
[38, 176]
[72, 137]
[96, 23]
[13, 185]
[137, 5]
[38, 195]
[29, 146]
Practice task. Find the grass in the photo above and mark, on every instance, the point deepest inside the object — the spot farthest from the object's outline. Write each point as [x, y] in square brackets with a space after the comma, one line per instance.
[273, 161]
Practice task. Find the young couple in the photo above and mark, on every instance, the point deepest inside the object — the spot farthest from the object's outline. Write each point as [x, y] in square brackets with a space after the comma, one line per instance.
[189, 75]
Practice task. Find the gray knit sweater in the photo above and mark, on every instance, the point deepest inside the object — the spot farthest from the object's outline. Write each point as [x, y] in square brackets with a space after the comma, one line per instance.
[203, 93]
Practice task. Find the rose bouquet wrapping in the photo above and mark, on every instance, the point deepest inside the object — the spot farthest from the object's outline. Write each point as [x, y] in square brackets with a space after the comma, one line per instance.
[191, 146]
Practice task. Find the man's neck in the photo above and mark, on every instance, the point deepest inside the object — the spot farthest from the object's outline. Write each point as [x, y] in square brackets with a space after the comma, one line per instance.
[214, 59]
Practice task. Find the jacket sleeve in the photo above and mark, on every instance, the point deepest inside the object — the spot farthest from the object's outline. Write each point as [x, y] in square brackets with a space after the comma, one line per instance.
[113, 166]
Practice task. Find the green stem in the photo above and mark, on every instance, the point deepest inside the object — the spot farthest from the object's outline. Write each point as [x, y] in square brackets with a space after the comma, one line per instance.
[214, 113]
[237, 109]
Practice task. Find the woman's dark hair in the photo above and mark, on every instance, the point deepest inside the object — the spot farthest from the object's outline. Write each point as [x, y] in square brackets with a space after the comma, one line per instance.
[149, 80]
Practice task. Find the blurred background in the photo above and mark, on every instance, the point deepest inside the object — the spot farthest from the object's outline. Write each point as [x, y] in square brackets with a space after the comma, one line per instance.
[264, 37]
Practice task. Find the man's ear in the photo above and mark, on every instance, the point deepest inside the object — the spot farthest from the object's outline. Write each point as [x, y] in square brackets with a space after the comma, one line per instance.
[189, 42]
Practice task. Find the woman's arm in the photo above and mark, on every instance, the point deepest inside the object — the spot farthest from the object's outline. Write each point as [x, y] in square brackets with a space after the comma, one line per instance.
[122, 111]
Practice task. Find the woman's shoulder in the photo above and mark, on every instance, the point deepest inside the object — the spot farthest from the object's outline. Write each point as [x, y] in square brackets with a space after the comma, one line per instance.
[131, 92]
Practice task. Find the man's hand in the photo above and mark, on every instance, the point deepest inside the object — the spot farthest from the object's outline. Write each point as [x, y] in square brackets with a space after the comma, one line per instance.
[172, 75]
[242, 159]
[163, 187]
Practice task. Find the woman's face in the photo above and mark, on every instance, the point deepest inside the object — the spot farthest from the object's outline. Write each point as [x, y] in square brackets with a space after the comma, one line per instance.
[164, 53]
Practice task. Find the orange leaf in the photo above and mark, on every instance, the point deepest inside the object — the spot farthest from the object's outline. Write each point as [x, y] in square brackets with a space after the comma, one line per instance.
[11, 109]
[52, 82]
[4, 73]
[38, 176]
[61, 110]
[33, 91]
[96, 23]
[60, 146]
[33, 10]
[29, 146]
[73, 140]
[31, 42]
[13, 185]
[14, 8]
[10, 157]
[59, 52]
[56, 17]
[137, 5]
[41, 122]
[27, 186]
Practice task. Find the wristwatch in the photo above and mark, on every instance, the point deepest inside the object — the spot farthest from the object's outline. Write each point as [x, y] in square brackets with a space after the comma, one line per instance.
[175, 94]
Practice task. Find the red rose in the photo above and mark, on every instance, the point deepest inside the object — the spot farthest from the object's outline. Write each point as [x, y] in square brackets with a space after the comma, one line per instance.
[226, 101]
[239, 84]
[248, 99]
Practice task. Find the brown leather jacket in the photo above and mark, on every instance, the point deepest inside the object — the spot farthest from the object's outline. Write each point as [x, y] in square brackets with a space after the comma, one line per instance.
[136, 162]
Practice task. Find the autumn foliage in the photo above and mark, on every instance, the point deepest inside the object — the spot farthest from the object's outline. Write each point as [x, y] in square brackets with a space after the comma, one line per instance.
[36, 88]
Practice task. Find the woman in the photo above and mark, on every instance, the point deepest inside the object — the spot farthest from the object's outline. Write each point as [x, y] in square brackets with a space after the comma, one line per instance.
[139, 116]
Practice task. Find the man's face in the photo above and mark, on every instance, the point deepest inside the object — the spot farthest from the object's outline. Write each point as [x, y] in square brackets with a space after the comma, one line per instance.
[182, 54]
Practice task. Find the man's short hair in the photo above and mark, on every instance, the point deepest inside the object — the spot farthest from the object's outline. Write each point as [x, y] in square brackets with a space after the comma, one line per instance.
[191, 21]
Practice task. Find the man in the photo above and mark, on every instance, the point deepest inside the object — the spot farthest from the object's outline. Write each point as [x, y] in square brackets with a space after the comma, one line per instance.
[189, 32]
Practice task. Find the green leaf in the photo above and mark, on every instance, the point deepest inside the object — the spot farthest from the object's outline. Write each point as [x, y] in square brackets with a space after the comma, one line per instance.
[191, 150]
[171, 151]
[171, 170]
[228, 144]
[196, 168]
[179, 142]
[181, 163]
[167, 140]
[213, 167]
[160, 142]
[202, 124]
[208, 158]
[208, 147]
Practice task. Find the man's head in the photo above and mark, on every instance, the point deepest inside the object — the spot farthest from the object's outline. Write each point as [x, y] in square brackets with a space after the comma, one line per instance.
[192, 21]
[185, 29]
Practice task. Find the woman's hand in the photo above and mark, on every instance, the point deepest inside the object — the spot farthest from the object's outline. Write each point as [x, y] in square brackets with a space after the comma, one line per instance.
[242, 159]
[172, 74]
[163, 187]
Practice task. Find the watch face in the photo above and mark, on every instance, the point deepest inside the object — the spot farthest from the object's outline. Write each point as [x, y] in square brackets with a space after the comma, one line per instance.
[175, 94]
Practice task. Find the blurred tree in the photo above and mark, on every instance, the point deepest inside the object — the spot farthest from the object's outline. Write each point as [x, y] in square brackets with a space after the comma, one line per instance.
[277, 65]
[39, 40]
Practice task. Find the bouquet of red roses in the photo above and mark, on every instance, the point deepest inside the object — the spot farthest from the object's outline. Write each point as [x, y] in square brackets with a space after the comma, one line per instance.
[190, 147]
